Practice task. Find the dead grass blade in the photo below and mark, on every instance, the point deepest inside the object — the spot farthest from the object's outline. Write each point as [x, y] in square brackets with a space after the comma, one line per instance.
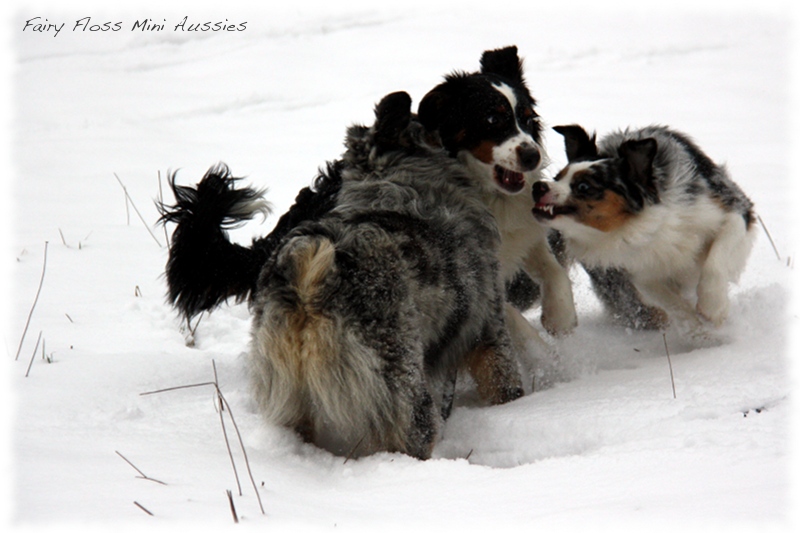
[141, 475]
[129, 199]
[35, 300]
[669, 361]
[226, 407]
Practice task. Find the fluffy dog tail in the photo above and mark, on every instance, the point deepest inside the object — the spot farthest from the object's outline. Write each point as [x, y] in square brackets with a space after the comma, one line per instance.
[204, 267]
[310, 371]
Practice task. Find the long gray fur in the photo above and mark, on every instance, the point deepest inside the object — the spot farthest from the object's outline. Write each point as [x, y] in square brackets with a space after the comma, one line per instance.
[361, 314]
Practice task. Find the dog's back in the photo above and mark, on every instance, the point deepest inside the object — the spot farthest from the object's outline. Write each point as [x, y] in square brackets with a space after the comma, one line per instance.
[682, 171]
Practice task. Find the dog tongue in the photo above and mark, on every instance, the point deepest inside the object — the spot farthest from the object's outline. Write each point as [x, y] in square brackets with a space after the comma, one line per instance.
[510, 180]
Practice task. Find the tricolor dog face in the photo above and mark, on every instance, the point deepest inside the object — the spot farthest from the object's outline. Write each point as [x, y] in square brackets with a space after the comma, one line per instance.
[488, 118]
[652, 204]
[601, 193]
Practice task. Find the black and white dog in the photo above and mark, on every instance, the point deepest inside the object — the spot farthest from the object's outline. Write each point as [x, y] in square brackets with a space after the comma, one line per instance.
[487, 121]
[364, 307]
[651, 203]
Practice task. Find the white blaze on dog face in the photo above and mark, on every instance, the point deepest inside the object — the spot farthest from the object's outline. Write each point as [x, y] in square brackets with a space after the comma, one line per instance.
[578, 199]
[560, 188]
[507, 153]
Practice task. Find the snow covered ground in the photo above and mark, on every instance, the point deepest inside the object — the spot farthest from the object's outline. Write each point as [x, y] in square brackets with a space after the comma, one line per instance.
[607, 446]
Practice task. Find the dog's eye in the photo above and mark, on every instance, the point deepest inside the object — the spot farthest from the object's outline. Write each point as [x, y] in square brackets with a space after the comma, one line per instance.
[493, 119]
[528, 122]
[583, 188]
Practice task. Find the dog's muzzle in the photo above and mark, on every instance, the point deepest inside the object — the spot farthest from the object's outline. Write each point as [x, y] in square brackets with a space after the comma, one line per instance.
[540, 188]
[529, 156]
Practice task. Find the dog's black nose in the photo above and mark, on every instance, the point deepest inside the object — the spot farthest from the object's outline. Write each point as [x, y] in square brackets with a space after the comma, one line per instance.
[540, 188]
[528, 155]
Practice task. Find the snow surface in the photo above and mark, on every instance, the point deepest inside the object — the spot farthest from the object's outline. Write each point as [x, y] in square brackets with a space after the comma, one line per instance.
[607, 446]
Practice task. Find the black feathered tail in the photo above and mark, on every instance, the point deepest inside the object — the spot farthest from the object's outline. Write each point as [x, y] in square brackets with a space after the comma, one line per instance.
[204, 268]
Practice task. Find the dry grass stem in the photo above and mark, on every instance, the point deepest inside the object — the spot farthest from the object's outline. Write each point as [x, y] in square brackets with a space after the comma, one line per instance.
[35, 300]
[141, 475]
[161, 202]
[233, 507]
[353, 451]
[33, 356]
[227, 407]
[669, 361]
[775, 248]
[129, 199]
[139, 505]
[225, 431]
[192, 331]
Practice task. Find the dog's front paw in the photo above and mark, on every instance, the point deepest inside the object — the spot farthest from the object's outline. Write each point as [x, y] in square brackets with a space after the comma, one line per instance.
[712, 297]
[697, 331]
[559, 318]
[713, 306]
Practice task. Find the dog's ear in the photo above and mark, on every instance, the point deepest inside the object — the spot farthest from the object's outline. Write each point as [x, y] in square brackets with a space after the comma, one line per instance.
[577, 143]
[638, 157]
[503, 62]
[431, 110]
[392, 116]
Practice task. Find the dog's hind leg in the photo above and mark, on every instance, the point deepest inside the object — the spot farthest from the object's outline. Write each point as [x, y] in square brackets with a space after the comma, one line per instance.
[667, 295]
[493, 366]
[424, 427]
[724, 263]
[496, 377]
[449, 392]
[621, 300]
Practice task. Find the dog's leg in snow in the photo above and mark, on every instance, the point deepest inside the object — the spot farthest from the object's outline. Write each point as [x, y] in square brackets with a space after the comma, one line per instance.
[667, 295]
[492, 372]
[724, 263]
[493, 364]
[533, 352]
[558, 306]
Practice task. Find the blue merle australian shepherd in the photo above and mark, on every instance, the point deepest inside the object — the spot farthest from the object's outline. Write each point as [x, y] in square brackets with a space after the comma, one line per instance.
[651, 207]
[371, 290]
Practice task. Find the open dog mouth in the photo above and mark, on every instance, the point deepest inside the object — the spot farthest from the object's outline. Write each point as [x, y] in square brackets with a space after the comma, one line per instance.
[544, 211]
[509, 180]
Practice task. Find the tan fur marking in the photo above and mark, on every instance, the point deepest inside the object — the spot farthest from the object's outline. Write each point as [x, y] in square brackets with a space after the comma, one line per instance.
[483, 152]
[607, 214]
[562, 173]
[312, 263]
[483, 366]
[307, 333]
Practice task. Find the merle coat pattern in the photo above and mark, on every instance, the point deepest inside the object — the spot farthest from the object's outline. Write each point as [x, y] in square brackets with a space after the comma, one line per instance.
[362, 312]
